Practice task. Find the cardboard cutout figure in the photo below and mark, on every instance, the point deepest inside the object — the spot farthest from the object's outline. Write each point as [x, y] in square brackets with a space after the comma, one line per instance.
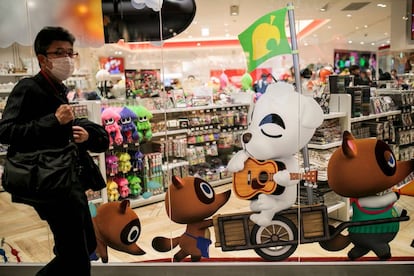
[190, 200]
[282, 122]
[365, 170]
[117, 226]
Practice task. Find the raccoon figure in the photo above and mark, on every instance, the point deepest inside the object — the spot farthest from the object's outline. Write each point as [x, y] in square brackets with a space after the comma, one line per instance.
[190, 201]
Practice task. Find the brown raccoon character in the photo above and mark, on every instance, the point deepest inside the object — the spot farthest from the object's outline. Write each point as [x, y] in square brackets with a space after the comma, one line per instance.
[190, 200]
[117, 226]
[365, 170]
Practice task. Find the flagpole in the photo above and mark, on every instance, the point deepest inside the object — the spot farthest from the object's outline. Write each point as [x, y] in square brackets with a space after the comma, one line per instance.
[295, 56]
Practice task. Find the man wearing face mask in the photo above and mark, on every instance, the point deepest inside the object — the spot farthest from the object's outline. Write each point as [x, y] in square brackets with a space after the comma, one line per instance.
[37, 116]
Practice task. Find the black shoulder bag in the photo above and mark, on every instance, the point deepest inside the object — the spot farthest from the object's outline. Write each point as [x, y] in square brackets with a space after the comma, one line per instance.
[41, 176]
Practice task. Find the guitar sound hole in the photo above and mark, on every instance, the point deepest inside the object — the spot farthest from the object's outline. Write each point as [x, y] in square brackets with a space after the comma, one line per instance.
[263, 177]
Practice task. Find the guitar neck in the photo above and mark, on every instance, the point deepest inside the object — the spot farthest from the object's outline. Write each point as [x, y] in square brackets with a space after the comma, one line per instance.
[296, 176]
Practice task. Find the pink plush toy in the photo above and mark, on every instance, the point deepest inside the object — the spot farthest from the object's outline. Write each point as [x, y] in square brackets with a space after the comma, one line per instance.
[122, 186]
[111, 164]
[110, 120]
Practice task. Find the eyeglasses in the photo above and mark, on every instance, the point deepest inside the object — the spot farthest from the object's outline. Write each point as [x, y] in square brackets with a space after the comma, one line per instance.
[63, 53]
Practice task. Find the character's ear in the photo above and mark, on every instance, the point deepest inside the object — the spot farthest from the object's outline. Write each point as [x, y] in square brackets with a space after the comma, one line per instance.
[349, 147]
[177, 182]
[124, 205]
[311, 114]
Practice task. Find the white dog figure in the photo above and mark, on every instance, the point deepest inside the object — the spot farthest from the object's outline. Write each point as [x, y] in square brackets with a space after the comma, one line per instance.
[282, 122]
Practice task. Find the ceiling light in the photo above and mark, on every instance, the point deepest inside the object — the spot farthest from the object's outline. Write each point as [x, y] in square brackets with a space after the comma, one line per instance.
[324, 8]
[381, 5]
[205, 32]
[234, 10]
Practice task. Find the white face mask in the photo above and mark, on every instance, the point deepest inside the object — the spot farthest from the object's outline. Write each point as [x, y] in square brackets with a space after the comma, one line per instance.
[62, 68]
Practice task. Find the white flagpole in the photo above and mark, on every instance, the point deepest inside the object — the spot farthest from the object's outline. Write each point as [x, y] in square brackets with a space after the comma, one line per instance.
[295, 55]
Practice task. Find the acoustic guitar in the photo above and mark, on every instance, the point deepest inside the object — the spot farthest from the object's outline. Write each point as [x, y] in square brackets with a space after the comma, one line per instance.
[257, 177]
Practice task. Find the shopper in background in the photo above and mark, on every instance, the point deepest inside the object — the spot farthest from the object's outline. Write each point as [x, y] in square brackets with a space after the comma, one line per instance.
[37, 116]
[355, 71]
[365, 78]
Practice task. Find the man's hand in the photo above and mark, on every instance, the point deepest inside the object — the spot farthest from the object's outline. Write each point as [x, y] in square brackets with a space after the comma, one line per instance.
[80, 134]
[64, 114]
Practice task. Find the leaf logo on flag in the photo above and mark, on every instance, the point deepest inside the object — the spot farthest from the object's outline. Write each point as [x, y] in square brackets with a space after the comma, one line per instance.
[265, 38]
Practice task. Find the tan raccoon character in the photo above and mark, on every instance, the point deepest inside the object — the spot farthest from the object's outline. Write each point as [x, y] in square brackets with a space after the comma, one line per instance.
[365, 170]
[190, 200]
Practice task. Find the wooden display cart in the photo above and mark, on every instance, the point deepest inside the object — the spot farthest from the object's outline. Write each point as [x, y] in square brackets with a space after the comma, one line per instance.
[289, 228]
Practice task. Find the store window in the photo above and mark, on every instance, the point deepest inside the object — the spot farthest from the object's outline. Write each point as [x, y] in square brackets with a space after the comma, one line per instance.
[185, 111]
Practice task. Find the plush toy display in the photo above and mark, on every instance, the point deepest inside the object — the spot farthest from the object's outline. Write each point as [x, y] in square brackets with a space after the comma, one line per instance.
[111, 164]
[117, 226]
[112, 190]
[143, 122]
[282, 122]
[123, 188]
[124, 162]
[365, 170]
[128, 126]
[110, 120]
[134, 185]
[190, 200]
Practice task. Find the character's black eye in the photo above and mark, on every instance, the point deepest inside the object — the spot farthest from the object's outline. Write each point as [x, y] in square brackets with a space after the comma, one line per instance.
[385, 158]
[125, 121]
[204, 191]
[109, 121]
[131, 232]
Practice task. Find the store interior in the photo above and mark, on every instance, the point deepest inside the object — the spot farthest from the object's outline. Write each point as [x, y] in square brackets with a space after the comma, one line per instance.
[183, 69]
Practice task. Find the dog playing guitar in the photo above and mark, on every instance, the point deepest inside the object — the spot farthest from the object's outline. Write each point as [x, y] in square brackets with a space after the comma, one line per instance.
[257, 177]
[282, 122]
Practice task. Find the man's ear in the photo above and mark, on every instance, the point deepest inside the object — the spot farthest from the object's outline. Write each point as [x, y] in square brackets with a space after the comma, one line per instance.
[42, 59]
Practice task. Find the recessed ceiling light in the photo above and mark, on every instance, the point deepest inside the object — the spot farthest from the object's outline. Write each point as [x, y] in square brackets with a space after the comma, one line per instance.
[205, 32]
[381, 5]
[234, 10]
[362, 43]
[350, 41]
[373, 43]
[349, 15]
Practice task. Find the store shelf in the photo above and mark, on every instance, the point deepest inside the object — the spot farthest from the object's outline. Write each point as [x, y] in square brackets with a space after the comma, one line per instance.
[96, 201]
[15, 75]
[139, 202]
[170, 132]
[333, 115]
[196, 108]
[325, 146]
[375, 116]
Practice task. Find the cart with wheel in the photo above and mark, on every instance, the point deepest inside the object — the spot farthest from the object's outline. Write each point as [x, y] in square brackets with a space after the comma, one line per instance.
[288, 229]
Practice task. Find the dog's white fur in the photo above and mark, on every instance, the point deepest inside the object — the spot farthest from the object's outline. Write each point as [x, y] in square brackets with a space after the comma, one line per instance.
[301, 115]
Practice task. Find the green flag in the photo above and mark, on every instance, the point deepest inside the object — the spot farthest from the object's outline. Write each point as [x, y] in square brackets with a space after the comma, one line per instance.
[265, 38]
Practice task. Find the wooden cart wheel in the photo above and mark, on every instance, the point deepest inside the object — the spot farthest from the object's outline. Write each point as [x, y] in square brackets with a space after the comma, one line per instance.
[281, 229]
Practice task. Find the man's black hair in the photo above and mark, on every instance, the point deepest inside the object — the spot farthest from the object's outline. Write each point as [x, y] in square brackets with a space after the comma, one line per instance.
[49, 34]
